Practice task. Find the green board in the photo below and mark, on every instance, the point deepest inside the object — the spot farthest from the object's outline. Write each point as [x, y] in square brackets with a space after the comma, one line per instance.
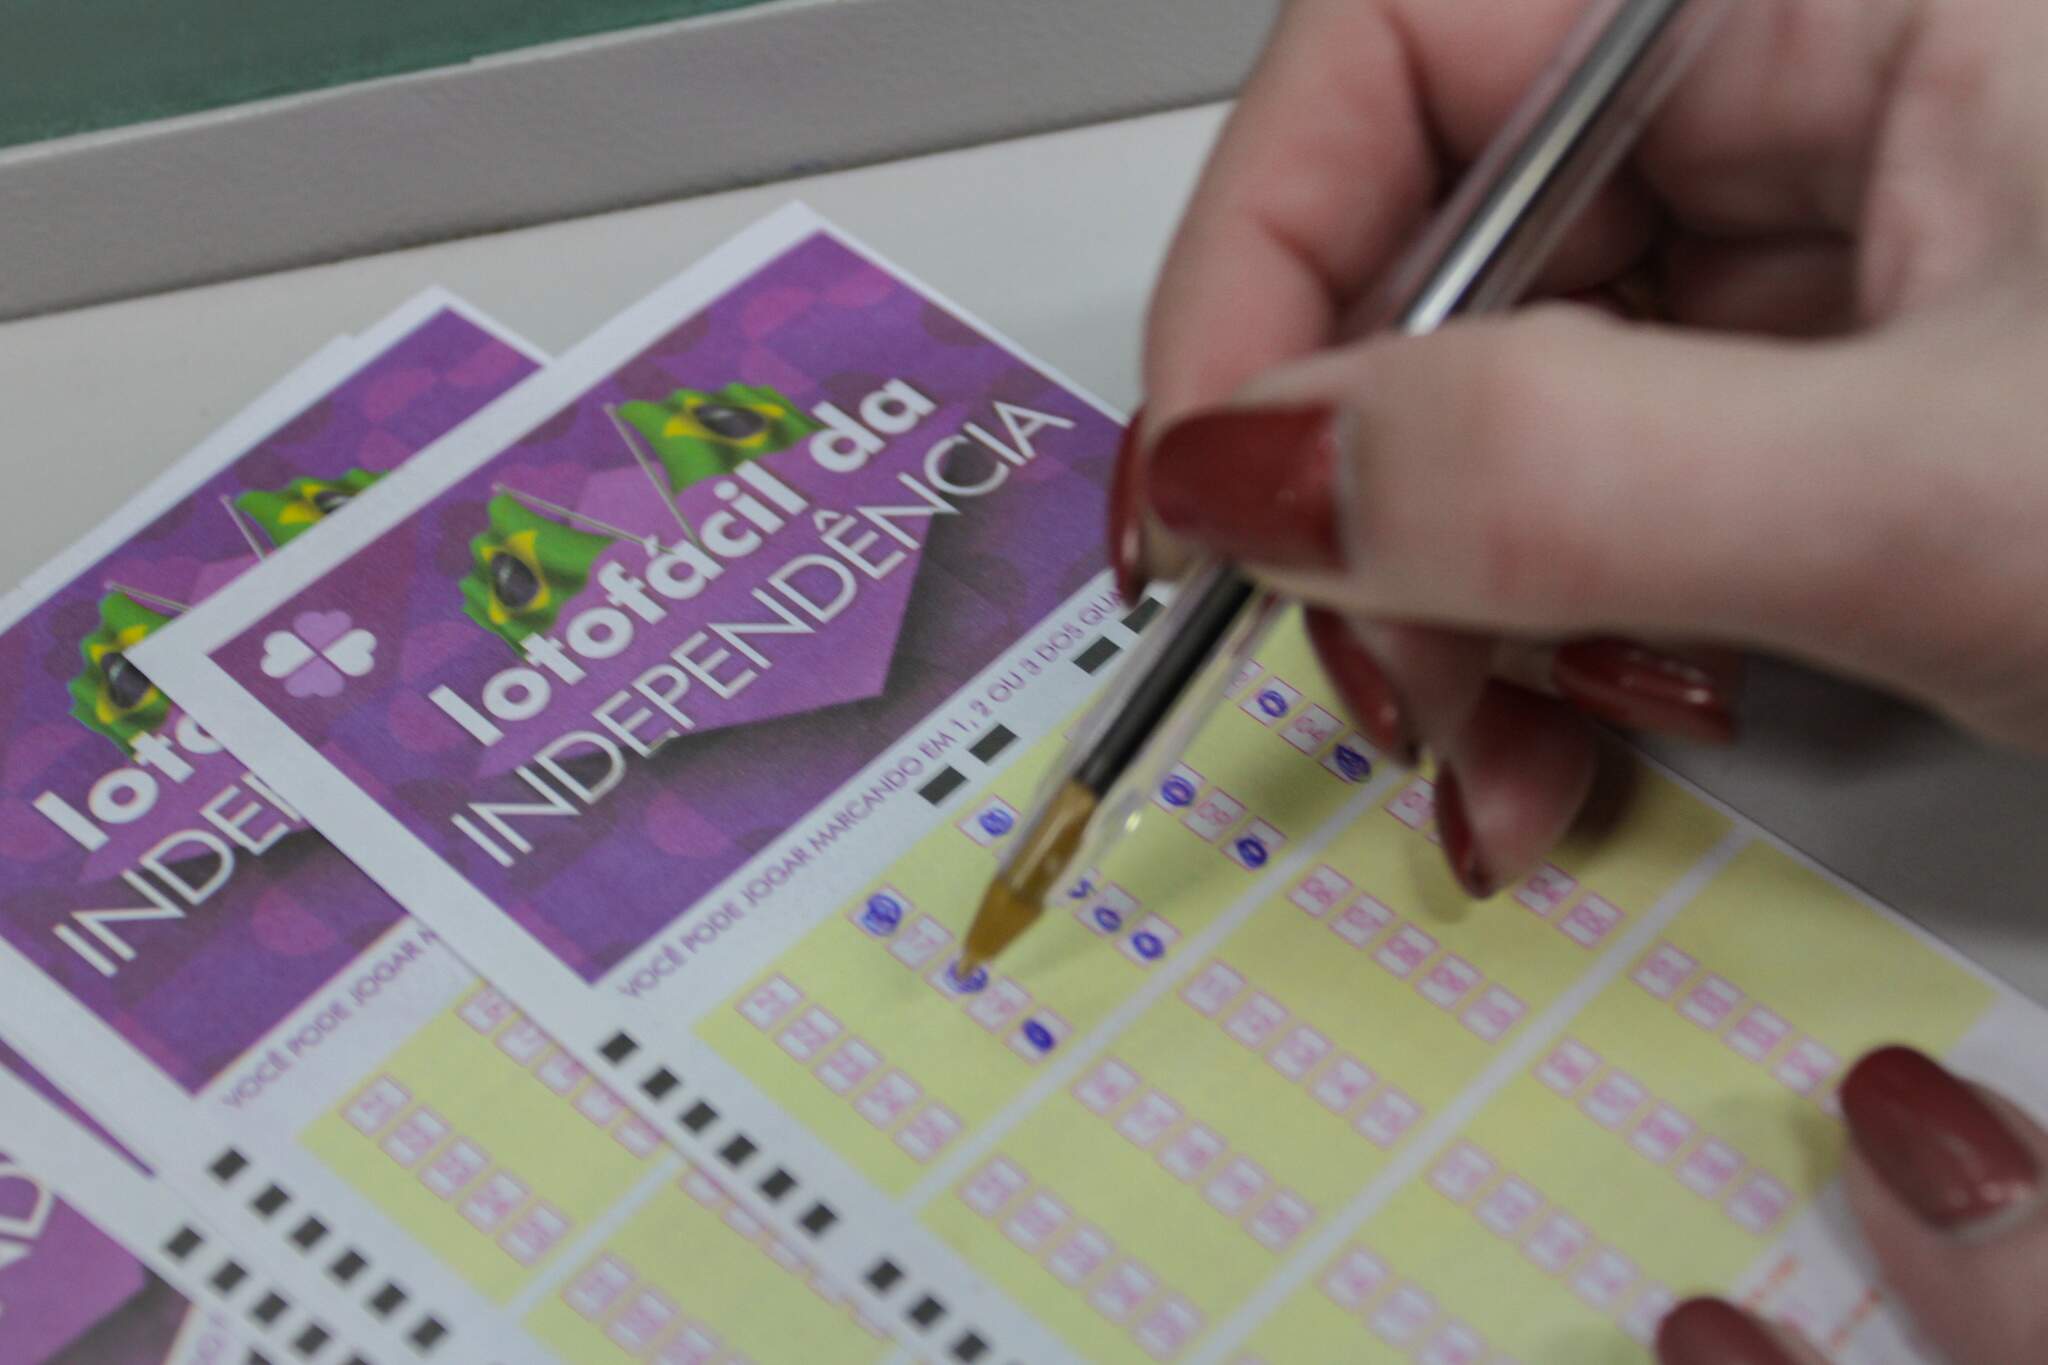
[72, 66]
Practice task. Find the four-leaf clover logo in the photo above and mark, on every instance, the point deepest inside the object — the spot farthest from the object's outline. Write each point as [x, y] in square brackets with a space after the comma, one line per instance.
[319, 654]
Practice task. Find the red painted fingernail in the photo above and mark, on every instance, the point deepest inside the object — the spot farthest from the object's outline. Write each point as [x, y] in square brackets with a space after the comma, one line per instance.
[1460, 848]
[1126, 516]
[1252, 484]
[1639, 688]
[1364, 687]
[1934, 1141]
[1716, 1332]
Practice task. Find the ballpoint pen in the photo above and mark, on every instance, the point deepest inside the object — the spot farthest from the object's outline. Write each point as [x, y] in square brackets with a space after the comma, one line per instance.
[1477, 254]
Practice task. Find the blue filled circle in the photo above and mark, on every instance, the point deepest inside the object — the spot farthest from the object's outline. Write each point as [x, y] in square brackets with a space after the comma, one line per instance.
[1177, 791]
[997, 821]
[1354, 765]
[1108, 920]
[1148, 945]
[882, 916]
[1038, 1035]
[1253, 851]
[1272, 703]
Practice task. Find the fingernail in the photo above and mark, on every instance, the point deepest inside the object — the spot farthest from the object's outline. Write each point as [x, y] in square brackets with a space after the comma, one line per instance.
[1364, 687]
[1252, 484]
[1934, 1141]
[1127, 516]
[1716, 1332]
[1460, 848]
[1639, 688]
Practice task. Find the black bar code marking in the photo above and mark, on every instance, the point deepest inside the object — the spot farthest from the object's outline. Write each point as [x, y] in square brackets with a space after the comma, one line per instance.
[992, 743]
[944, 785]
[1096, 655]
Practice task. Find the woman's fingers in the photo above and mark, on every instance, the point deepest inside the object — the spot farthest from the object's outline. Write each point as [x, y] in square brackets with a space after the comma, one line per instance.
[1509, 785]
[1687, 693]
[1360, 110]
[1559, 473]
[1716, 1332]
[1513, 767]
[1797, 286]
[1947, 1181]
[1324, 167]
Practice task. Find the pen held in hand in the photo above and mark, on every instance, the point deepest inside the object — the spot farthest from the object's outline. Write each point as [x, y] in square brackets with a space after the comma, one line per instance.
[1477, 254]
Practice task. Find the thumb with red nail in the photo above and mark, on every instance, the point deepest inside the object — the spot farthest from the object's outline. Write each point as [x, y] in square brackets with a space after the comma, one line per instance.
[1825, 447]
[1945, 1179]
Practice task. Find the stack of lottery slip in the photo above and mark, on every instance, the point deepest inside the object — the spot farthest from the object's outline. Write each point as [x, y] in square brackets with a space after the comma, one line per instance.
[167, 920]
[661, 713]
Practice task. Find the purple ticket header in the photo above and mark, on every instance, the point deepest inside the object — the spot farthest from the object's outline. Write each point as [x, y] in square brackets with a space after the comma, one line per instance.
[141, 867]
[620, 657]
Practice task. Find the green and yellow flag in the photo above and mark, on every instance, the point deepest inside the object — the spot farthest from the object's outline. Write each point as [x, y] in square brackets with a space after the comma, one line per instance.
[288, 512]
[699, 435]
[110, 695]
[527, 568]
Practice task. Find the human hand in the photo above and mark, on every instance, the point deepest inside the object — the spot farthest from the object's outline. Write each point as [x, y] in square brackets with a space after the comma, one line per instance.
[1828, 449]
[1944, 1178]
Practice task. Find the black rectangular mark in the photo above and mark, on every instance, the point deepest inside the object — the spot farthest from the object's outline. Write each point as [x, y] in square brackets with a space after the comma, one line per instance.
[818, 1219]
[183, 1243]
[270, 1201]
[699, 1116]
[619, 1048]
[926, 1311]
[883, 1276]
[992, 743]
[347, 1266]
[228, 1276]
[428, 1334]
[307, 1235]
[738, 1152]
[944, 785]
[269, 1308]
[386, 1300]
[228, 1165]
[660, 1083]
[777, 1184]
[1096, 655]
[1141, 615]
[311, 1340]
[970, 1347]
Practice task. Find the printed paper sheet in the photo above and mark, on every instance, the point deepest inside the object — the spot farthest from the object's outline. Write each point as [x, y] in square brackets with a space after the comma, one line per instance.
[99, 1263]
[708, 770]
[306, 1064]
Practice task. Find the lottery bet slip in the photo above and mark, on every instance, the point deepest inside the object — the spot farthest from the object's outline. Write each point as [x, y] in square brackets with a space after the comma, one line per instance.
[221, 985]
[101, 1261]
[164, 917]
[691, 691]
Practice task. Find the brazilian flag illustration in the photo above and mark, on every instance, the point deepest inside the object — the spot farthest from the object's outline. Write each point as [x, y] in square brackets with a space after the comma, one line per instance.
[288, 512]
[698, 435]
[527, 568]
[110, 695]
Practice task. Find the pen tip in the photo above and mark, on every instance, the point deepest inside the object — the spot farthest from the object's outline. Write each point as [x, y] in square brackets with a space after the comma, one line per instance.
[1018, 894]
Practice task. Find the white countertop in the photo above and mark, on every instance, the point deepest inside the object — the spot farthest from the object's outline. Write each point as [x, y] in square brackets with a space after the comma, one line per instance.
[1054, 239]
